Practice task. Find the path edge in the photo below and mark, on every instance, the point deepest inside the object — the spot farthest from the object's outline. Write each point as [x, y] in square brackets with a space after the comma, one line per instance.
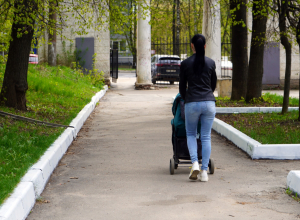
[23, 198]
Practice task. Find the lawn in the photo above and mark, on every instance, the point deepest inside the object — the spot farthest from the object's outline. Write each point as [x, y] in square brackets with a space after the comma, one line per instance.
[55, 94]
[126, 68]
[266, 128]
[267, 100]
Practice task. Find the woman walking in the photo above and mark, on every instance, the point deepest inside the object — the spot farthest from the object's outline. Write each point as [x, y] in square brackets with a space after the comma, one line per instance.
[199, 75]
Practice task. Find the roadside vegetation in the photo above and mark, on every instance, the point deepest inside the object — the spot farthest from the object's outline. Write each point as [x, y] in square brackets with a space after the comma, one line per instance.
[267, 100]
[266, 128]
[126, 69]
[293, 195]
[56, 95]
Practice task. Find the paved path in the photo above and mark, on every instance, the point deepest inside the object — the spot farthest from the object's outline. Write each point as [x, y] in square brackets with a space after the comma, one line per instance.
[121, 160]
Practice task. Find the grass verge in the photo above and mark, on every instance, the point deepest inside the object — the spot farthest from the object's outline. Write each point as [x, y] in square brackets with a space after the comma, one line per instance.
[55, 94]
[267, 128]
[127, 69]
[267, 100]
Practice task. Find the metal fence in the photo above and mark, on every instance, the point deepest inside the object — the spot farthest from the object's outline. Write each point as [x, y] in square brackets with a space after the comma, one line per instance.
[114, 64]
[182, 50]
[226, 64]
[166, 58]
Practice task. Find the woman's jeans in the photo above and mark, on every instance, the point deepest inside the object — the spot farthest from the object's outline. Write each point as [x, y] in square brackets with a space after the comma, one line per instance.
[205, 111]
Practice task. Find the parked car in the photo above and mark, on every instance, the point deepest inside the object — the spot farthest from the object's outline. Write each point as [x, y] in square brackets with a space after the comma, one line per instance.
[165, 68]
[33, 58]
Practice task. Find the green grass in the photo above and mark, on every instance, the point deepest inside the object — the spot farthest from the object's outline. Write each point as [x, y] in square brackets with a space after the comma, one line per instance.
[274, 98]
[293, 195]
[267, 128]
[55, 94]
[131, 69]
[266, 100]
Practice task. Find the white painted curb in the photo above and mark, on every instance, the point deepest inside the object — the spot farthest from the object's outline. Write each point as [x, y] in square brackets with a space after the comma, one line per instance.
[255, 149]
[293, 181]
[22, 200]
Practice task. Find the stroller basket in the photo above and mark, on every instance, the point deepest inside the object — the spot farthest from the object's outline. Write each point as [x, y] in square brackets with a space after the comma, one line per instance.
[181, 150]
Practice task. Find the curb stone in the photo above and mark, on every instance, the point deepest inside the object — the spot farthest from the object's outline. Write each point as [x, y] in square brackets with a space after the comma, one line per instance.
[293, 181]
[257, 150]
[22, 200]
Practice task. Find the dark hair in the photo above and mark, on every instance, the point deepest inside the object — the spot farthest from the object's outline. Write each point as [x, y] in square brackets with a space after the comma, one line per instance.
[199, 41]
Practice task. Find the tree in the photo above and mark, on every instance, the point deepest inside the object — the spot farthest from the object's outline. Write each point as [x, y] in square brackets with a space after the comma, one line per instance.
[15, 78]
[52, 34]
[293, 17]
[298, 41]
[255, 71]
[282, 9]
[29, 16]
[239, 49]
[124, 22]
[165, 19]
[178, 27]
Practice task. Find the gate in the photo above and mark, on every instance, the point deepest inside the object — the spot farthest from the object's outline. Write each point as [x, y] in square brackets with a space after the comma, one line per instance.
[226, 64]
[165, 52]
[166, 59]
[114, 64]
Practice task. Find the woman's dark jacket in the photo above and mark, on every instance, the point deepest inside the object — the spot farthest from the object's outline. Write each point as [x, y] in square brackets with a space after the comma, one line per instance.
[200, 86]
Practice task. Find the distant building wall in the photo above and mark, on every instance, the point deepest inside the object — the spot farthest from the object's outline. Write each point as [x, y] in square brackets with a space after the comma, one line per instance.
[295, 67]
[66, 42]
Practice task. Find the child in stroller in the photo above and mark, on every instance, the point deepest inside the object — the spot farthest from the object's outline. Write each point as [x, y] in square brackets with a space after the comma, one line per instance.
[179, 142]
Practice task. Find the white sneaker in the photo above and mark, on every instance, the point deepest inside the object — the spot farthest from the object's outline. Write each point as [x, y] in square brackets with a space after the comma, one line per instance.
[194, 171]
[203, 176]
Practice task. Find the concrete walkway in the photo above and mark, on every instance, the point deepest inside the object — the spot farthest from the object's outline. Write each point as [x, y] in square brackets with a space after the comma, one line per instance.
[118, 168]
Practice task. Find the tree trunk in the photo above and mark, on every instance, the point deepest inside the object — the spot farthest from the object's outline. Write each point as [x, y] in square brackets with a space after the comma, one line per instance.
[299, 76]
[298, 41]
[15, 78]
[256, 64]
[134, 60]
[134, 33]
[287, 82]
[288, 51]
[174, 26]
[178, 29]
[52, 35]
[239, 50]
[195, 18]
[189, 25]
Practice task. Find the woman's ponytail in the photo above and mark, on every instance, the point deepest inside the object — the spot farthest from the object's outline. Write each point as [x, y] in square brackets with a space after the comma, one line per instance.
[199, 41]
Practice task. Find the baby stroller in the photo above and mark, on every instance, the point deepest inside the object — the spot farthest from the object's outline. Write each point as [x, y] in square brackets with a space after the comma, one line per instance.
[180, 150]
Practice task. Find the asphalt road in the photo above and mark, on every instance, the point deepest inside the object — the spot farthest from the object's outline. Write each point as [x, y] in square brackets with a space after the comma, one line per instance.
[118, 168]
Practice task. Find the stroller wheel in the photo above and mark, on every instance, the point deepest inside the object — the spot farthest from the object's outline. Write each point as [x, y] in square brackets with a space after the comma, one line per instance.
[172, 166]
[211, 166]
